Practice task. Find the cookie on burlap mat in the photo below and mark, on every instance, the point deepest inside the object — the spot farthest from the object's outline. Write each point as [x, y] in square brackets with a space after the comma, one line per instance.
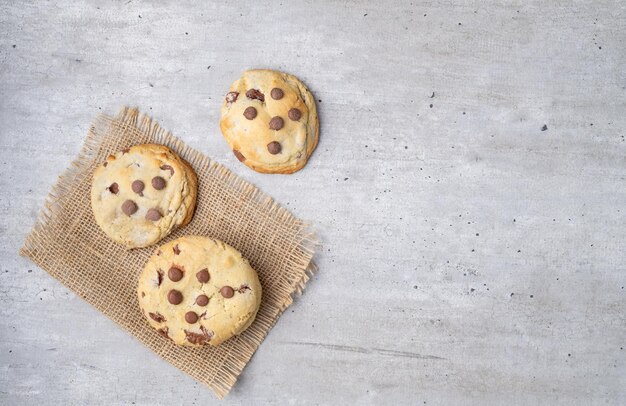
[139, 195]
[269, 120]
[197, 290]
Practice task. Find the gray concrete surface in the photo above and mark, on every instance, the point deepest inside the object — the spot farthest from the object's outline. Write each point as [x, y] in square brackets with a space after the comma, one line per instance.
[468, 256]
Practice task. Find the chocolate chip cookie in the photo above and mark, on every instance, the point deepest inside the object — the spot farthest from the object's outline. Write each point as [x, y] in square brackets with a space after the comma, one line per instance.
[269, 120]
[197, 291]
[139, 195]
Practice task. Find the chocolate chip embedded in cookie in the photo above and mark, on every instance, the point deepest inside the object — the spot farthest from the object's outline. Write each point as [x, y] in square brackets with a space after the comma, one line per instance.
[250, 113]
[139, 195]
[277, 110]
[277, 93]
[210, 292]
[294, 114]
[274, 147]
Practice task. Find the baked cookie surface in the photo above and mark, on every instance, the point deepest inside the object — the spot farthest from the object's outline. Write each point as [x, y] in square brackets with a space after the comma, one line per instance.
[141, 194]
[269, 120]
[196, 291]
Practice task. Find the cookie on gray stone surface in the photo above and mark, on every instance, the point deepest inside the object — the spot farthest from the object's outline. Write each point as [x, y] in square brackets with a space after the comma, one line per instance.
[141, 194]
[269, 120]
[197, 290]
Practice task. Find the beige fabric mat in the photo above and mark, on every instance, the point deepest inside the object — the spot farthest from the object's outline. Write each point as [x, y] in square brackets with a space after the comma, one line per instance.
[67, 243]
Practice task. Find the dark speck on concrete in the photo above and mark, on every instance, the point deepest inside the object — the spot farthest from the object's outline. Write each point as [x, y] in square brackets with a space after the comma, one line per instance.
[472, 289]
[345, 179]
[569, 355]
[433, 95]
[414, 286]
[14, 45]
[406, 147]
[365, 15]
[151, 85]
[139, 15]
[431, 106]
[30, 270]
[319, 100]
[544, 128]
[463, 113]
[460, 24]
[512, 294]
[186, 33]
[531, 296]
[208, 67]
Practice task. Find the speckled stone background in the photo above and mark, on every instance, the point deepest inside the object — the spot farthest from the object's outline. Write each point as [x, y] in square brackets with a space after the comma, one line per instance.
[469, 189]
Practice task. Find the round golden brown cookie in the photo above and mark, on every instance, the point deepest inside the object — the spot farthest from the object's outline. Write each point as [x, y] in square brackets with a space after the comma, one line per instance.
[139, 195]
[269, 120]
[196, 291]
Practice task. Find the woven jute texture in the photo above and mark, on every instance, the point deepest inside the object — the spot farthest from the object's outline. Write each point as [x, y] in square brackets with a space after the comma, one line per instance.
[67, 243]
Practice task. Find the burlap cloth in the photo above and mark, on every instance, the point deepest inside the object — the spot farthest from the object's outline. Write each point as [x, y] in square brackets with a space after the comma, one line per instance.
[67, 243]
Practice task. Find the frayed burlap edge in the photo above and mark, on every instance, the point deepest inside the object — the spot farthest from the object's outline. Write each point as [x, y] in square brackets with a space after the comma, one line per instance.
[39, 240]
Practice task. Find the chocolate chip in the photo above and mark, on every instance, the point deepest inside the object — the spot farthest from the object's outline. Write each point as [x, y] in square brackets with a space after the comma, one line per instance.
[137, 186]
[277, 93]
[198, 338]
[255, 94]
[105, 164]
[294, 114]
[163, 331]
[176, 250]
[249, 113]
[276, 123]
[239, 156]
[174, 297]
[167, 168]
[203, 276]
[231, 97]
[158, 183]
[157, 317]
[191, 317]
[202, 300]
[274, 147]
[227, 292]
[153, 215]
[114, 188]
[175, 274]
[129, 207]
